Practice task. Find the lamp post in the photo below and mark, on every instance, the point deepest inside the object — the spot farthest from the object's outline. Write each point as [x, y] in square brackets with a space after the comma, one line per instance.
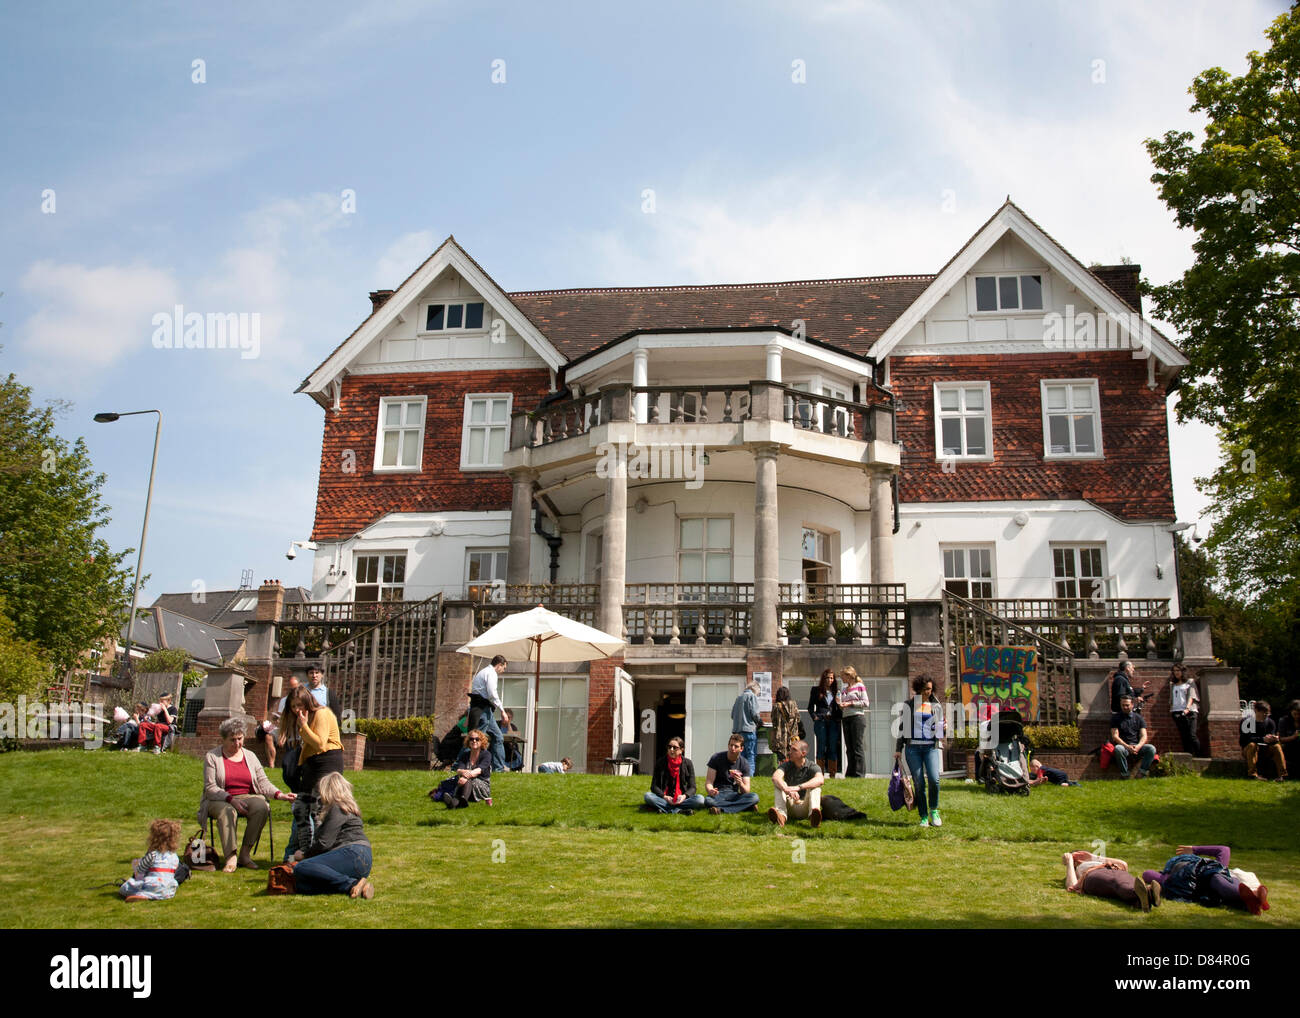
[108, 418]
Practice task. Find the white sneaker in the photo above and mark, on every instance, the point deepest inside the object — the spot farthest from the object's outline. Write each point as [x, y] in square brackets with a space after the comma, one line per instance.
[156, 751]
[925, 821]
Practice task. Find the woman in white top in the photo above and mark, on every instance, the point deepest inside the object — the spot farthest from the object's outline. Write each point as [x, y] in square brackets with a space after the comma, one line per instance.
[854, 703]
[1185, 705]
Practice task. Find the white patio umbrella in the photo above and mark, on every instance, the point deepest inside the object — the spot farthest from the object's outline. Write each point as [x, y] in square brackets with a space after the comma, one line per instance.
[539, 635]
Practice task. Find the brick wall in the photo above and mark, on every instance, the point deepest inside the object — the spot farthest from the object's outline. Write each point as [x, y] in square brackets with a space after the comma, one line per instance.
[1161, 729]
[347, 502]
[600, 711]
[451, 699]
[1133, 481]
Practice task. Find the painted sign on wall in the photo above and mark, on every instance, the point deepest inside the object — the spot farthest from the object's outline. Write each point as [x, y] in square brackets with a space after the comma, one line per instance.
[1001, 677]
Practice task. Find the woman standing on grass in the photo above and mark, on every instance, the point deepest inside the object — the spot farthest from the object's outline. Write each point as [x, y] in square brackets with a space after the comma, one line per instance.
[921, 734]
[338, 860]
[785, 723]
[472, 781]
[826, 715]
[854, 703]
[317, 731]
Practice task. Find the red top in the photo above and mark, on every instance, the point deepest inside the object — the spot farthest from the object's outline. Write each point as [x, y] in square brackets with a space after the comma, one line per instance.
[238, 780]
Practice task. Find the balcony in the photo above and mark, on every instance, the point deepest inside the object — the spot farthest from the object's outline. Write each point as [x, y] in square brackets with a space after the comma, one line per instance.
[1094, 627]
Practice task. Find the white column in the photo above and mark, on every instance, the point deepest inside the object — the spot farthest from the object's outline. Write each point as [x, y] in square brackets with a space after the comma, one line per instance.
[763, 624]
[774, 362]
[882, 528]
[640, 377]
[613, 560]
[518, 566]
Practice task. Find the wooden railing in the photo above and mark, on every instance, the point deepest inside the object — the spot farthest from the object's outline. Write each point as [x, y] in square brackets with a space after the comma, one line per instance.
[838, 613]
[1094, 627]
[968, 624]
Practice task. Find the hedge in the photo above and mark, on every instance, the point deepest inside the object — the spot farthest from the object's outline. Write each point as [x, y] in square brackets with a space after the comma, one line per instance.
[419, 729]
[1039, 736]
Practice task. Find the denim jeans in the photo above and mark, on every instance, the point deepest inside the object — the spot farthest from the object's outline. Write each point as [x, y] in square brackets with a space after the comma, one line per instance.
[661, 804]
[731, 800]
[486, 722]
[332, 872]
[303, 829]
[750, 752]
[1145, 756]
[923, 762]
[828, 740]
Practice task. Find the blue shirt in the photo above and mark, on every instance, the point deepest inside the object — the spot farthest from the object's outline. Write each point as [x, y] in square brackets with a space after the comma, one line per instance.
[320, 694]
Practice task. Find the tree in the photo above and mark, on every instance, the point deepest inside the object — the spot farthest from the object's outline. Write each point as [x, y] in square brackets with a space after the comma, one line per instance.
[1239, 304]
[64, 589]
[24, 670]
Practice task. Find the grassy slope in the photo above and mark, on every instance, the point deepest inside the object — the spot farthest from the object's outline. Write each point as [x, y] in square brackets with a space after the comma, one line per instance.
[577, 852]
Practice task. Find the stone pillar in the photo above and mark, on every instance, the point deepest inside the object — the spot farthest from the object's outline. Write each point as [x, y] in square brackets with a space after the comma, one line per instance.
[455, 671]
[602, 674]
[925, 650]
[614, 549]
[774, 362]
[882, 528]
[223, 698]
[1220, 708]
[763, 625]
[641, 378]
[518, 565]
[259, 647]
[1093, 676]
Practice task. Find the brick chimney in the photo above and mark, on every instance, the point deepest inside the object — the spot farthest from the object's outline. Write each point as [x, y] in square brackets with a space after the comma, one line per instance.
[270, 601]
[377, 299]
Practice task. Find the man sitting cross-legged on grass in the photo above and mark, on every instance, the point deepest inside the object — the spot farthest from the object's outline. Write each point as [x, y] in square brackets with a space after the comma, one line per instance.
[1100, 877]
[672, 787]
[798, 788]
[727, 779]
[1129, 734]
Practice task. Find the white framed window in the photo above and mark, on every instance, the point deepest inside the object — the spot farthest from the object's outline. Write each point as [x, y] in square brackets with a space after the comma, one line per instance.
[561, 715]
[968, 571]
[818, 553]
[1079, 571]
[483, 567]
[399, 439]
[963, 421]
[453, 316]
[704, 549]
[1071, 419]
[1020, 292]
[486, 430]
[379, 576]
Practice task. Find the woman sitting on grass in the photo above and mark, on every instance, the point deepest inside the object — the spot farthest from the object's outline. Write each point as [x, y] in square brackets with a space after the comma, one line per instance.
[338, 860]
[1190, 876]
[672, 786]
[472, 780]
[153, 877]
[1100, 877]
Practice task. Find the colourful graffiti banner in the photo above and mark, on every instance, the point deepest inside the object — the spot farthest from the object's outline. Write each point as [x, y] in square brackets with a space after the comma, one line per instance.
[1001, 677]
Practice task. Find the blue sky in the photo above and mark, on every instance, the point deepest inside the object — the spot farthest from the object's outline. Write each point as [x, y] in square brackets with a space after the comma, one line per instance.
[912, 125]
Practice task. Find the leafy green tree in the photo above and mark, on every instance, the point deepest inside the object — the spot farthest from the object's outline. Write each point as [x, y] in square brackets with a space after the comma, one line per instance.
[1239, 306]
[64, 588]
[24, 669]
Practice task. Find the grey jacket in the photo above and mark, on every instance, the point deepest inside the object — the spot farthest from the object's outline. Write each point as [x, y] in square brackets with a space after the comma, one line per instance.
[214, 780]
[336, 829]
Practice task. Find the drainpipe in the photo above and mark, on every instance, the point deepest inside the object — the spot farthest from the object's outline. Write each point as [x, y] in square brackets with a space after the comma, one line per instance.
[552, 542]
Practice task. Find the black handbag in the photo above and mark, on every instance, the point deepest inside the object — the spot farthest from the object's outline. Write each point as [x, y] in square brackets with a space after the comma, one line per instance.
[290, 768]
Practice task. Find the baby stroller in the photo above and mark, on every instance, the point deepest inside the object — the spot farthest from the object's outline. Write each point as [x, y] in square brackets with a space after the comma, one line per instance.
[1006, 765]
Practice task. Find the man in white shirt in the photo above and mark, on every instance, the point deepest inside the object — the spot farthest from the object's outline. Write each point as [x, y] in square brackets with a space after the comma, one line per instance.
[483, 702]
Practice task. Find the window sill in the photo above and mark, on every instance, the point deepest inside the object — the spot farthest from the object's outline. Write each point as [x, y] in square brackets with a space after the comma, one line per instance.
[436, 333]
[1059, 456]
[397, 470]
[964, 459]
[467, 468]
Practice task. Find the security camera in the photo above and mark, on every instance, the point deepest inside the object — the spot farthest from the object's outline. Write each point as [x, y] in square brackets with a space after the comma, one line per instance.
[292, 553]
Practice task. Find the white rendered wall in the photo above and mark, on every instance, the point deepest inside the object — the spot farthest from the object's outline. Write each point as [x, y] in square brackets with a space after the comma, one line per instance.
[1022, 556]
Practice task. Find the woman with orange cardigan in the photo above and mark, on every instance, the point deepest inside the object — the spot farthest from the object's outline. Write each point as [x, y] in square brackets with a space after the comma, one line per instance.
[317, 730]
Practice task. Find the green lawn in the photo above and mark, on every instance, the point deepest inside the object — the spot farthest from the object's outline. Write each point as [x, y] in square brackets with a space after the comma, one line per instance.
[575, 852]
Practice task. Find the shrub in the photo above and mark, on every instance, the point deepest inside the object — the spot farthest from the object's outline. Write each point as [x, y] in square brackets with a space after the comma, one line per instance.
[164, 662]
[397, 729]
[24, 668]
[1053, 736]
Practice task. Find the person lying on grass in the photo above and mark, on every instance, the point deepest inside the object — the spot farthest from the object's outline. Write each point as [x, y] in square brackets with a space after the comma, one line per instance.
[672, 787]
[1101, 877]
[1200, 874]
[471, 780]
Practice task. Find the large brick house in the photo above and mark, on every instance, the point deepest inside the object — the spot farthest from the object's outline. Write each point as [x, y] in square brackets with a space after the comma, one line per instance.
[698, 465]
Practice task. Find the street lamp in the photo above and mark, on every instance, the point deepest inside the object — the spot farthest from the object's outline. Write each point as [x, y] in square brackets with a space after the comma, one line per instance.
[109, 418]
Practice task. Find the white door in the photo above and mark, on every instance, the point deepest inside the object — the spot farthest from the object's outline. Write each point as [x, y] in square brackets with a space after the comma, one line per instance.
[708, 717]
[625, 729]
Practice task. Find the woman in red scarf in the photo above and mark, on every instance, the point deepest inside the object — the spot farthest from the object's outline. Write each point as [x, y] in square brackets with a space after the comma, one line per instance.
[672, 788]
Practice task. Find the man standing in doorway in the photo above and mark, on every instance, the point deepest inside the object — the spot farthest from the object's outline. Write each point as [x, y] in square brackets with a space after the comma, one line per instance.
[483, 703]
[744, 722]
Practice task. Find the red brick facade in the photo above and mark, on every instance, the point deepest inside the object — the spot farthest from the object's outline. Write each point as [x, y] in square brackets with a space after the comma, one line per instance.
[1133, 480]
[351, 495]
[600, 711]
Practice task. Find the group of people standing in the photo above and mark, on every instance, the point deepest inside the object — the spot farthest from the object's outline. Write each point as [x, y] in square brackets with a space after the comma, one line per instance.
[838, 713]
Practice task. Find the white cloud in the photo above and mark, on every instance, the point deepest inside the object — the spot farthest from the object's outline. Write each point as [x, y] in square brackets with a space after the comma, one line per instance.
[88, 318]
[402, 258]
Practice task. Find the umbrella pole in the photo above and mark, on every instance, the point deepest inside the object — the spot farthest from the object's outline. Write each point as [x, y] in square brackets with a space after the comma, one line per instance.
[537, 692]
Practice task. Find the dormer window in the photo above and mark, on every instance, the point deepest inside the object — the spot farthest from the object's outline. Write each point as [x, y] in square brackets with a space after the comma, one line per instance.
[454, 317]
[1009, 293]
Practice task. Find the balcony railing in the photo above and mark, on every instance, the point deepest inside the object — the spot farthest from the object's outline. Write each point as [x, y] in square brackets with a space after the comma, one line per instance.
[835, 613]
[1094, 627]
[695, 404]
[558, 421]
[809, 412]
